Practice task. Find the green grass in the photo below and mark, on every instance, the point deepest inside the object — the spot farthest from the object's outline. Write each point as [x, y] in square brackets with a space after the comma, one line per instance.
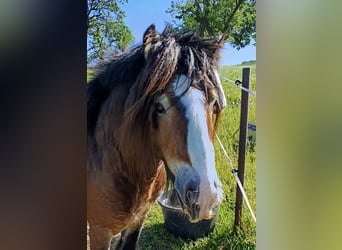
[155, 236]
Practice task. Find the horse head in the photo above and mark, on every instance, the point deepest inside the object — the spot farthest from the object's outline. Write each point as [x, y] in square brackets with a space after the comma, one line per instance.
[177, 100]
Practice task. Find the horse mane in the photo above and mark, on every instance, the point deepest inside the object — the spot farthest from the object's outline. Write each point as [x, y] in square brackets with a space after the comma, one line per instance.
[122, 69]
[147, 70]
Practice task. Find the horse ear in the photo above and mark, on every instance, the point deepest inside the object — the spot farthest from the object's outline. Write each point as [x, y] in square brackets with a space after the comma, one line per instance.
[221, 41]
[150, 37]
[222, 97]
[167, 30]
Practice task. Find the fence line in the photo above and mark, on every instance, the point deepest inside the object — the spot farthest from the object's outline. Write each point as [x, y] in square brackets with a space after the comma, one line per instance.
[239, 174]
[234, 172]
[238, 84]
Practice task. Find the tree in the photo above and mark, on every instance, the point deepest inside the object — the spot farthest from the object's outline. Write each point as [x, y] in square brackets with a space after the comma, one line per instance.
[234, 19]
[106, 28]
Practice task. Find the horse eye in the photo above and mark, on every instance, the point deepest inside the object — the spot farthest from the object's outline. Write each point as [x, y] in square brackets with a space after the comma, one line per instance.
[159, 108]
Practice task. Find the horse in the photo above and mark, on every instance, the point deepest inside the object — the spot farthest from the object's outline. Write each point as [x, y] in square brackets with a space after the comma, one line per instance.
[152, 113]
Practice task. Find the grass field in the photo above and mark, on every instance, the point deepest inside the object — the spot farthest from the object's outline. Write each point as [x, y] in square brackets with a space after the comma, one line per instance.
[155, 236]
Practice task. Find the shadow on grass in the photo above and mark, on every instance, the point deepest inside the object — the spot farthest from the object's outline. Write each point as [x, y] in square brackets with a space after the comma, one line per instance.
[156, 237]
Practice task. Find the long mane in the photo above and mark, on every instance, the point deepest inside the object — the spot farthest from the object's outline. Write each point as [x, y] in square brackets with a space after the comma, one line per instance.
[122, 69]
[145, 71]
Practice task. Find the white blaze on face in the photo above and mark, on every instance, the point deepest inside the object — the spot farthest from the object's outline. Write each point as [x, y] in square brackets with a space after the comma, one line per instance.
[200, 147]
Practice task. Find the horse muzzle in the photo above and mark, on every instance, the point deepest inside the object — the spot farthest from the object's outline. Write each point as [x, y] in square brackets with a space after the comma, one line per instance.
[196, 210]
[198, 199]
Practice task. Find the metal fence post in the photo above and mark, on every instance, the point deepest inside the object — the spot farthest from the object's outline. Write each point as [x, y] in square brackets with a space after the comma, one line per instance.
[242, 145]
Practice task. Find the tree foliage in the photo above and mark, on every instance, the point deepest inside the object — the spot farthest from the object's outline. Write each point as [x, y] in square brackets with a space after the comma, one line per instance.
[106, 28]
[234, 19]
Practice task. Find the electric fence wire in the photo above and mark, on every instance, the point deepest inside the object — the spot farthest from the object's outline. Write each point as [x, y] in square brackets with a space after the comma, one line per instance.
[234, 172]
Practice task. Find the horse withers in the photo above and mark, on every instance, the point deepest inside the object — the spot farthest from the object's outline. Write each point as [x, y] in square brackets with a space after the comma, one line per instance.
[152, 115]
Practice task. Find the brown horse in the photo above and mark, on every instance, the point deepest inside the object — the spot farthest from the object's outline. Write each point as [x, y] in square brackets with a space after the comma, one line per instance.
[152, 115]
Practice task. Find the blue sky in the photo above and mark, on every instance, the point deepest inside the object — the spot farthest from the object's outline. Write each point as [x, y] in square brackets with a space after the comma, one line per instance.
[142, 13]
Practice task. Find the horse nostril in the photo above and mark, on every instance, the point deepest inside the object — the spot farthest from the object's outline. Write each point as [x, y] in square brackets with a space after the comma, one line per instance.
[191, 196]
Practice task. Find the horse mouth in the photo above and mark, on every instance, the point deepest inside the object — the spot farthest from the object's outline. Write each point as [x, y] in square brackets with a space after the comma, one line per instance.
[190, 211]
